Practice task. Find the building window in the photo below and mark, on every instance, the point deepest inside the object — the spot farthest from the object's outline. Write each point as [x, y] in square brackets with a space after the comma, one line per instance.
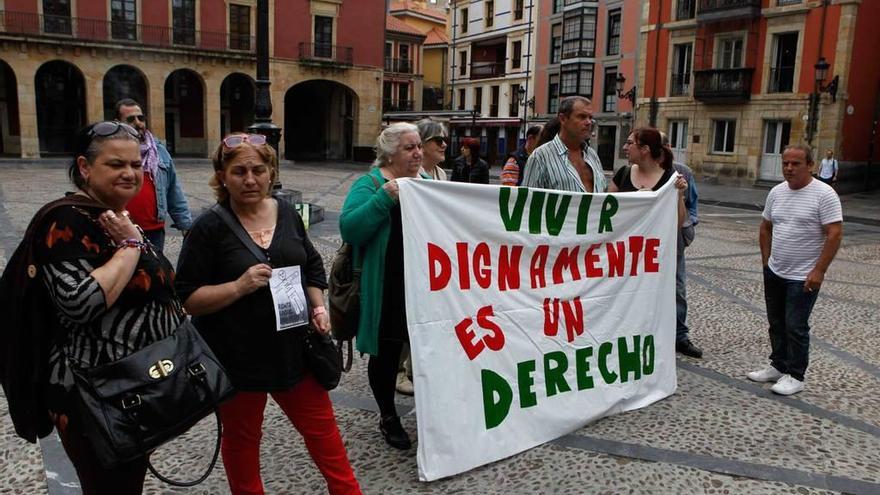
[386, 96]
[478, 100]
[613, 33]
[183, 19]
[56, 17]
[518, 9]
[609, 90]
[462, 94]
[681, 69]
[576, 79]
[788, 2]
[239, 27]
[489, 13]
[557, 6]
[730, 53]
[494, 95]
[725, 136]
[403, 101]
[404, 64]
[123, 16]
[514, 100]
[464, 20]
[323, 36]
[516, 57]
[555, 43]
[686, 9]
[462, 63]
[782, 63]
[579, 33]
[678, 130]
[553, 93]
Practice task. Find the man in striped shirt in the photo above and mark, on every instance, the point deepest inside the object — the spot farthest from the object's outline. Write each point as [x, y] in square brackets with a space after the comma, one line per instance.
[799, 236]
[566, 163]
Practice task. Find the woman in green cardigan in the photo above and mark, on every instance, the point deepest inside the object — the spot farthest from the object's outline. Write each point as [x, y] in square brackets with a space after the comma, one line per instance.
[370, 222]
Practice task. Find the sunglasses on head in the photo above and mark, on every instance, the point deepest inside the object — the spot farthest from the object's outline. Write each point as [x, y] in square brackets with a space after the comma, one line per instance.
[139, 117]
[109, 128]
[237, 140]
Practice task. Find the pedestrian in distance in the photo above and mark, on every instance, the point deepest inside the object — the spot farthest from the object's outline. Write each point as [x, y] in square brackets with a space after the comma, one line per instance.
[828, 168]
[566, 163]
[514, 169]
[227, 290]
[370, 221]
[800, 234]
[161, 196]
[686, 235]
[94, 292]
[469, 167]
[548, 132]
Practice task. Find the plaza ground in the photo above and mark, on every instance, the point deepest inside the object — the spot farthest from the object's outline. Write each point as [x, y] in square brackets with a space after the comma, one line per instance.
[719, 433]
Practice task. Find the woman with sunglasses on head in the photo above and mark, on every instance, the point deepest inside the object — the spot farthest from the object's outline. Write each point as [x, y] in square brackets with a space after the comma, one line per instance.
[111, 295]
[226, 288]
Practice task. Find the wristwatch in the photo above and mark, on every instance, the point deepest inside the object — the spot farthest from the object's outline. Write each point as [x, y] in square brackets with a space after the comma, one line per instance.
[318, 310]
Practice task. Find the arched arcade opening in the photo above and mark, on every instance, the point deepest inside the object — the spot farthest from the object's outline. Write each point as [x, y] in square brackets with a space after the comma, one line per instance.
[61, 105]
[319, 121]
[236, 103]
[10, 131]
[185, 113]
[124, 81]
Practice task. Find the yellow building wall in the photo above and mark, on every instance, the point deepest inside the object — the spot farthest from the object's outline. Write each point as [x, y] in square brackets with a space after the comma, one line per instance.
[434, 66]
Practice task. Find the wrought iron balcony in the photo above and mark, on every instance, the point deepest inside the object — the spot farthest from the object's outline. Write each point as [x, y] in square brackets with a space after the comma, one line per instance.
[485, 70]
[725, 10]
[389, 105]
[326, 54]
[116, 32]
[723, 85]
[398, 65]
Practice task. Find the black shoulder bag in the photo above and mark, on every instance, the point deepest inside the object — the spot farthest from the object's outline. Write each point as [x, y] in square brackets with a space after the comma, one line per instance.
[323, 358]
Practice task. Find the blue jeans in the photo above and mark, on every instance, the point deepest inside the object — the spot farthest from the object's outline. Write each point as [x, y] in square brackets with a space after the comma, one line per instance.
[788, 312]
[685, 237]
[156, 238]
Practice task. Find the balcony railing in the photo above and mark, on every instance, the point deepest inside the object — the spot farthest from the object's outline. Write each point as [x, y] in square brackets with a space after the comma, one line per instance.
[99, 30]
[397, 105]
[399, 65]
[484, 70]
[681, 84]
[723, 85]
[723, 10]
[324, 53]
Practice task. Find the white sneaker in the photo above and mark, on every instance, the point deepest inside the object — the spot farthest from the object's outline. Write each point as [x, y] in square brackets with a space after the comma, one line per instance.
[404, 384]
[787, 385]
[768, 374]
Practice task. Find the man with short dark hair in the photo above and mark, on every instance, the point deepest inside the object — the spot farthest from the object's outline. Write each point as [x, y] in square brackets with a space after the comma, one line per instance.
[799, 237]
[161, 195]
[512, 173]
[566, 163]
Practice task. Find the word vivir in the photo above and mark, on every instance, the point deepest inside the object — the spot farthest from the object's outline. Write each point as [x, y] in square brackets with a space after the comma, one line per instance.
[629, 358]
[480, 265]
[550, 210]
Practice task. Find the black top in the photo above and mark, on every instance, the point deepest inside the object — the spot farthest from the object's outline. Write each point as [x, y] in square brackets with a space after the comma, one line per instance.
[393, 322]
[243, 336]
[464, 171]
[624, 183]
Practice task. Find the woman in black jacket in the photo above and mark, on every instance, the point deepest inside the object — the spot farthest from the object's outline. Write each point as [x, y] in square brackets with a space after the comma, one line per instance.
[469, 167]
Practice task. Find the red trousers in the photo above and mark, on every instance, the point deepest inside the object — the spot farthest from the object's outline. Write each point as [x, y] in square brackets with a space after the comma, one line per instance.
[308, 407]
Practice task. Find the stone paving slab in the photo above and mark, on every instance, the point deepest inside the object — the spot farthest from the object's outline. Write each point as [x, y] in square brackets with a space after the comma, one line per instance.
[718, 433]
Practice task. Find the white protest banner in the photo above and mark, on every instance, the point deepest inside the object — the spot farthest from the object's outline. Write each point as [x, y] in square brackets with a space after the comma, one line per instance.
[532, 313]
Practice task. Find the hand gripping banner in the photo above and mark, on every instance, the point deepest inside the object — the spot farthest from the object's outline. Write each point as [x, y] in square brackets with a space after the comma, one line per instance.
[532, 313]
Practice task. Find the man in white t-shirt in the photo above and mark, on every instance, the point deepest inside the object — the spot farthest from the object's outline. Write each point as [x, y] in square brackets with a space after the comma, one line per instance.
[799, 236]
[828, 168]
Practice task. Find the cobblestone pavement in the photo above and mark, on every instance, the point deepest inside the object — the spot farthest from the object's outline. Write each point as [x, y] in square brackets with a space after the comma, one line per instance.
[719, 433]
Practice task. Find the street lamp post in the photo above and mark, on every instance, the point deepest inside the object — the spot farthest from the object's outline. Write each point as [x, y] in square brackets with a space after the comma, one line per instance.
[821, 72]
[263, 100]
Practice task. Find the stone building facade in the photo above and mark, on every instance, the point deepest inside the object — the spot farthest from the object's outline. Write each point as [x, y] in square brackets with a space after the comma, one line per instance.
[192, 63]
[734, 81]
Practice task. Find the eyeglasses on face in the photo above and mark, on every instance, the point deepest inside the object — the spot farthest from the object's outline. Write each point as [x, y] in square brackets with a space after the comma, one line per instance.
[237, 140]
[139, 117]
[439, 140]
[109, 128]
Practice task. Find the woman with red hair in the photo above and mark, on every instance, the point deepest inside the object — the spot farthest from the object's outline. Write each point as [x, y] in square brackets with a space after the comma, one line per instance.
[469, 167]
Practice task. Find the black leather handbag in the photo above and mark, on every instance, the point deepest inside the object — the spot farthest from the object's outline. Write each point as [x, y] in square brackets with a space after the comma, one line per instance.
[323, 359]
[131, 406]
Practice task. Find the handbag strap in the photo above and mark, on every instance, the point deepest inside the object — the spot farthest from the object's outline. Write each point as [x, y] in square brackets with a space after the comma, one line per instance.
[207, 472]
[236, 228]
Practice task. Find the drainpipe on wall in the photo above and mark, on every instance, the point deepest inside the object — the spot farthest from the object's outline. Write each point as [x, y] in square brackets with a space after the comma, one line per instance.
[452, 57]
[654, 104]
[525, 103]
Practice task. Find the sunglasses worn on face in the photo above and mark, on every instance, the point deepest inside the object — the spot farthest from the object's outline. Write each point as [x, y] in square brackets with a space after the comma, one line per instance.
[237, 140]
[109, 128]
[439, 140]
[139, 117]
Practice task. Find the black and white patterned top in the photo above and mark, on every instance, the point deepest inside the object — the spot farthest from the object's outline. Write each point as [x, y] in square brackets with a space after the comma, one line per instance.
[70, 245]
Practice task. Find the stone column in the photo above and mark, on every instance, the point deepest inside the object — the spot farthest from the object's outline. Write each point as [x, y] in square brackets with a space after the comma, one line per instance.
[156, 112]
[212, 110]
[27, 109]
